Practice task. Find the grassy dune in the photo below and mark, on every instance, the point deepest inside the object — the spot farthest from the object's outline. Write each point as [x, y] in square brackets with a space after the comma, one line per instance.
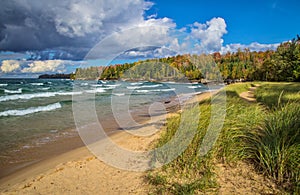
[264, 135]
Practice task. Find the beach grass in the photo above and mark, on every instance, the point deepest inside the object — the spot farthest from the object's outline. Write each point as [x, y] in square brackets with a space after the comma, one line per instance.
[187, 173]
[264, 135]
[274, 95]
[274, 146]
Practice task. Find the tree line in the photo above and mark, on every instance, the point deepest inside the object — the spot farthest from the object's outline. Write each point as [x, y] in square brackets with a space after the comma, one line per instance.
[283, 64]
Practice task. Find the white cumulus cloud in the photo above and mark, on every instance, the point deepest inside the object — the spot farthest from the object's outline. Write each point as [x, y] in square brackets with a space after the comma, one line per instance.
[252, 47]
[10, 66]
[44, 66]
[209, 35]
[97, 17]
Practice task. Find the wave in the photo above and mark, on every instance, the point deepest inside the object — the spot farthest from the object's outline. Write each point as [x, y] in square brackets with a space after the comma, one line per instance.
[108, 87]
[97, 85]
[139, 83]
[163, 90]
[152, 86]
[101, 82]
[144, 86]
[119, 94]
[134, 87]
[37, 84]
[13, 91]
[44, 88]
[155, 90]
[113, 85]
[97, 90]
[31, 110]
[26, 96]
[68, 93]
[36, 95]
[172, 89]
[143, 91]
[3, 85]
[195, 87]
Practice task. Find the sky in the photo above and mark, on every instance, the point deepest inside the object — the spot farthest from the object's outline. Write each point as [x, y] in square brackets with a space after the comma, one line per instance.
[43, 36]
[263, 21]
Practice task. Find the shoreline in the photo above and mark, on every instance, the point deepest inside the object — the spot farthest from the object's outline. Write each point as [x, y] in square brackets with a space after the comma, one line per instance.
[12, 161]
[79, 151]
[27, 156]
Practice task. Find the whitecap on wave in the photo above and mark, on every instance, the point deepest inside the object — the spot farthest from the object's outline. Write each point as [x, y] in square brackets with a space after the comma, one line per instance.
[13, 91]
[37, 84]
[96, 90]
[195, 87]
[144, 86]
[31, 110]
[35, 95]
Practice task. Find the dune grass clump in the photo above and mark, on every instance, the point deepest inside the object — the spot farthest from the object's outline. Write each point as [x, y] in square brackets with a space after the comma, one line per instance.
[188, 173]
[241, 117]
[275, 146]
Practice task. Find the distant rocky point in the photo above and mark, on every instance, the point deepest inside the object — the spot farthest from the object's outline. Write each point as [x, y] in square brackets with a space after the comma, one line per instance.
[55, 76]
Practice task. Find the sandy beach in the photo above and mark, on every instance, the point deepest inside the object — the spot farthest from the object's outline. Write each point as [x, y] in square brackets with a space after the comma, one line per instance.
[80, 171]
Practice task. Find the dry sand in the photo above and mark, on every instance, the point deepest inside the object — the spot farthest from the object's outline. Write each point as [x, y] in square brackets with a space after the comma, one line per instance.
[78, 172]
[241, 178]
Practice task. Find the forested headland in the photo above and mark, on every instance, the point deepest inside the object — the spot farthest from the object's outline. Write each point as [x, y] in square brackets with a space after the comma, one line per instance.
[244, 65]
[55, 76]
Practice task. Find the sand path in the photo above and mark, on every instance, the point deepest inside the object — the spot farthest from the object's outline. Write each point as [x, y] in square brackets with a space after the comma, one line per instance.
[249, 95]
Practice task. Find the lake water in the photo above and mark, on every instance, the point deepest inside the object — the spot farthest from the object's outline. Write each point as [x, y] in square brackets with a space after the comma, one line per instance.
[36, 110]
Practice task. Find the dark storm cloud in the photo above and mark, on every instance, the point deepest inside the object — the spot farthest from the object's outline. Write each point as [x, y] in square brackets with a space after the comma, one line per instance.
[64, 29]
